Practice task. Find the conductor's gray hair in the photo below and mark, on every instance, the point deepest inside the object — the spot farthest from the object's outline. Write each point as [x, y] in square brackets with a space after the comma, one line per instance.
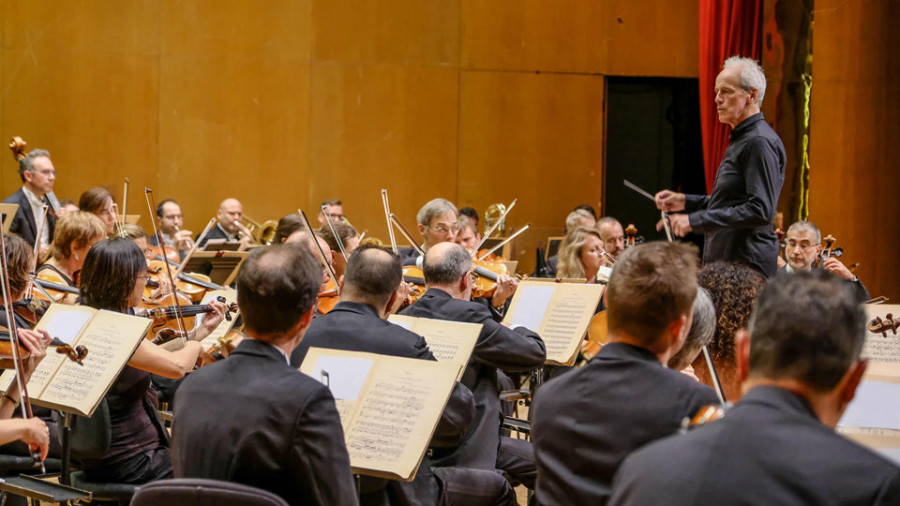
[751, 76]
[434, 208]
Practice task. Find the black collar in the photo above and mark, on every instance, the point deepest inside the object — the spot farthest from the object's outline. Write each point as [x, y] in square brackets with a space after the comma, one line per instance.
[746, 125]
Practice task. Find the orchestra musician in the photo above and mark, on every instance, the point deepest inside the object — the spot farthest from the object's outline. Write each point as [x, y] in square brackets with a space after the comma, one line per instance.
[468, 235]
[703, 328]
[448, 279]
[254, 419]
[737, 216]
[580, 254]
[100, 202]
[471, 215]
[230, 212]
[287, 225]
[301, 236]
[579, 217]
[76, 234]
[113, 278]
[349, 239]
[19, 261]
[612, 234]
[803, 246]
[733, 289]
[169, 220]
[357, 323]
[800, 367]
[38, 175]
[586, 421]
[335, 209]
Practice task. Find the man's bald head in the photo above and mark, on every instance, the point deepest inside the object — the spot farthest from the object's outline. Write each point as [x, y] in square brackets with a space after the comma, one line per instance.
[302, 236]
[372, 276]
[230, 211]
[446, 263]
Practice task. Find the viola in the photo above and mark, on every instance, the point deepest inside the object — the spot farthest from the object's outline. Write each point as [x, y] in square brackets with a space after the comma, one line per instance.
[31, 309]
[221, 349]
[55, 288]
[487, 274]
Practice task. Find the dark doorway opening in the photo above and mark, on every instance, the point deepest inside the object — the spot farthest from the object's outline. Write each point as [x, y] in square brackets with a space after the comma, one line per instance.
[653, 139]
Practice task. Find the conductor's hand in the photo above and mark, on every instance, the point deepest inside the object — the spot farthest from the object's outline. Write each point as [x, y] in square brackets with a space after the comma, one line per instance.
[836, 267]
[33, 432]
[680, 223]
[669, 201]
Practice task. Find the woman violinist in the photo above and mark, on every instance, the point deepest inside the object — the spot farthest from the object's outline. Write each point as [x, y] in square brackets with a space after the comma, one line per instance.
[100, 202]
[19, 258]
[75, 234]
[581, 254]
[113, 278]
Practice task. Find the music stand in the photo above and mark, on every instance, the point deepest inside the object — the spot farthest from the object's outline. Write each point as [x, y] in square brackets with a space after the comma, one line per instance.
[9, 212]
[553, 246]
[132, 219]
[220, 266]
[221, 245]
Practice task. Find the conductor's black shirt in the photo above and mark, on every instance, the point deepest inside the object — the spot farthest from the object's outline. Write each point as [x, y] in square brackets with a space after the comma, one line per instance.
[737, 216]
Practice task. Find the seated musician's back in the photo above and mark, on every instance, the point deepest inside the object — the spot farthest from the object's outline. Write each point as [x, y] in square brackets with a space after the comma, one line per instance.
[252, 418]
[586, 422]
[800, 367]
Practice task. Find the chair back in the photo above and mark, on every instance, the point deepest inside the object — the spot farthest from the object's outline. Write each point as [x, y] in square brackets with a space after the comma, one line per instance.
[199, 492]
[90, 437]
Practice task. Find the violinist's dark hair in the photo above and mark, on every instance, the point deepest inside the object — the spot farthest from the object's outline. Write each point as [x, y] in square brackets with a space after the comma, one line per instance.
[448, 269]
[372, 276]
[651, 286]
[807, 326]
[19, 260]
[733, 288]
[344, 231]
[287, 225]
[470, 213]
[110, 272]
[276, 285]
[93, 200]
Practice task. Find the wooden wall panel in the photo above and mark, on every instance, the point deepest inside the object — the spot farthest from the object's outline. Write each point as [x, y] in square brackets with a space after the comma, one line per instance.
[234, 108]
[375, 127]
[417, 32]
[855, 145]
[82, 83]
[535, 137]
[605, 36]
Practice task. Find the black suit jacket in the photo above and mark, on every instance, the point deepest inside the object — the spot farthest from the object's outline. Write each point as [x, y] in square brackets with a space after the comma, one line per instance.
[357, 327]
[498, 347]
[254, 419]
[769, 449]
[587, 421]
[408, 256]
[23, 223]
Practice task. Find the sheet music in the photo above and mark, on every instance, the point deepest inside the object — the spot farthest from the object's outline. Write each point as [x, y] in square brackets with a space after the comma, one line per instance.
[876, 405]
[66, 325]
[345, 377]
[880, 348]
[562, 323]
[448, 341]
[111, 340]
[533, 303]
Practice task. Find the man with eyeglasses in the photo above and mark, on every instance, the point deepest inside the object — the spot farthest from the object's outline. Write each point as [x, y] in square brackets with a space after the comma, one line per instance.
[803, 245]
[38, 176]
[335, 209]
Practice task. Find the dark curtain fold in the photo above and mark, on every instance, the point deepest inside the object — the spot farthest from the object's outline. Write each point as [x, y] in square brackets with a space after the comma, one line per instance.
[727, 28]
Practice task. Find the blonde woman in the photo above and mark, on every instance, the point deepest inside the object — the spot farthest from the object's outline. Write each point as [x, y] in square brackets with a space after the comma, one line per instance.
[580, 254]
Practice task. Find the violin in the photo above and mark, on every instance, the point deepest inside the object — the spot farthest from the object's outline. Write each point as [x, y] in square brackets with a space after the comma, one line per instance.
[193, 285]
[164, 315]
[76, 354]
[631, 237]
[55, 288]
[31, 309]
[221, 349]
[156, 252]
[705, 415]
[415, 278]
[328, 297]
[486, 277]
[828, 251]
[597, 336]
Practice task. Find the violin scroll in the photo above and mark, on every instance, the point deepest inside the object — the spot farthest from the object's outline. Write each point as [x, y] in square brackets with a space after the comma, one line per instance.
[882, 326]
[76, 354]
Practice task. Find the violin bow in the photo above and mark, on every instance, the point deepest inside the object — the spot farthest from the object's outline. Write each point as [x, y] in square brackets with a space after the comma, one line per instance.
[125, 202]
[315, 240]
[14, 342]
[387, 218]
[151, 205]
[337, 237]
[396, 221]
[181, 266]
[503, 243]
[497, 223]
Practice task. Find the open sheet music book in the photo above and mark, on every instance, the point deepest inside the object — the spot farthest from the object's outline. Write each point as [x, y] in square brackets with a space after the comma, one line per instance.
[389, 406]
[449, 341]
[559, 312]
[225, 326]
[111, 339]
[873, 416]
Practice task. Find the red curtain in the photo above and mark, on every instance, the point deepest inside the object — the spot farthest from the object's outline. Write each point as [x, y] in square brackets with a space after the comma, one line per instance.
[727, 28]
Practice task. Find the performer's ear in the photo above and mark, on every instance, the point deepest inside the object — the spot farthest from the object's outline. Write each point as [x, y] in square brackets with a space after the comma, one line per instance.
[742, 345]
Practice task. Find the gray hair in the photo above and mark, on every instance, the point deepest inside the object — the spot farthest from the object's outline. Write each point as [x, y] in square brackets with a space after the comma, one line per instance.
[434, 208]
[703, 328]
[574, 219]
[448, 269]
[751, 77]
[27, 163]
[607, 220]
[806, 226]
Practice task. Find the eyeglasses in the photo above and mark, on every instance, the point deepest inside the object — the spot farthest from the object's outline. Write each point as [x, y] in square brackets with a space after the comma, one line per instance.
[46, 172]
[802, 245]
[445, 229]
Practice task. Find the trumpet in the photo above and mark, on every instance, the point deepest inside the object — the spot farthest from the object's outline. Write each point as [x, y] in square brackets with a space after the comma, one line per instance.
[262, 233]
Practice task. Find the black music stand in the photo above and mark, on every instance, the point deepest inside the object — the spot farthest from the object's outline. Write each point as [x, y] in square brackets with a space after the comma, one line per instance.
[220, 266]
